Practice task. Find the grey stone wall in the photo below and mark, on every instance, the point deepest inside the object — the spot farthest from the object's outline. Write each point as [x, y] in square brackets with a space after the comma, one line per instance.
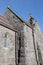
[7, 46]
[39, 42]
[30, 58]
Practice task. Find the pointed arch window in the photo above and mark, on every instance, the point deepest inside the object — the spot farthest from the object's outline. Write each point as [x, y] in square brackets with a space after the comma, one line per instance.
[6, 40]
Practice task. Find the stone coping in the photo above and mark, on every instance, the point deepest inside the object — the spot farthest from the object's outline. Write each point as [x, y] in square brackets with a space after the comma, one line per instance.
[4, 22]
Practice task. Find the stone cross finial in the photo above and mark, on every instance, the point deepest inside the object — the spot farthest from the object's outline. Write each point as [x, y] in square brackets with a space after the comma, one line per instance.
[31, 20]
[8, 6]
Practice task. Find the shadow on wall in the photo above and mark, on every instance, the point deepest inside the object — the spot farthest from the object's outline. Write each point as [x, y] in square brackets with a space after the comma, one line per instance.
[20, 50]
[39, 55]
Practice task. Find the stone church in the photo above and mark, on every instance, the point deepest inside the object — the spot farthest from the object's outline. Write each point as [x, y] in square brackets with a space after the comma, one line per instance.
[21, 43]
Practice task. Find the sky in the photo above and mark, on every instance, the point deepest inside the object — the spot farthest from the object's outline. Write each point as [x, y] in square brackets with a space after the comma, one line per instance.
[24, 8]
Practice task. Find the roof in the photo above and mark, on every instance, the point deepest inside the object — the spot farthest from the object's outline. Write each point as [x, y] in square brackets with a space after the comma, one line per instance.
[4, 22]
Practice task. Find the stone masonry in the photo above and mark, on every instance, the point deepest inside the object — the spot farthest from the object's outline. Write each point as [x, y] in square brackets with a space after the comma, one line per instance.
[21, 43]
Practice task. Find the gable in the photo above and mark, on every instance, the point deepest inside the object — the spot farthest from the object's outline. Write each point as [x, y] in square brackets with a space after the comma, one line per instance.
[14, 19]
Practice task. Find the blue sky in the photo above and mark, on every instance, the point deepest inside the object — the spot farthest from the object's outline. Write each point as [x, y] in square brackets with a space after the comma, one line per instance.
[23, 8]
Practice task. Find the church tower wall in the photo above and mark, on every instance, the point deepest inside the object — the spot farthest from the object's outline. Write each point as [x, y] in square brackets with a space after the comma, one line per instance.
[30, 57]
[39, 43]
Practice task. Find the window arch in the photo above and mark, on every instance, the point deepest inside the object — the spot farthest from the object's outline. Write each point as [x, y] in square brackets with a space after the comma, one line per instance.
[5, 40]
